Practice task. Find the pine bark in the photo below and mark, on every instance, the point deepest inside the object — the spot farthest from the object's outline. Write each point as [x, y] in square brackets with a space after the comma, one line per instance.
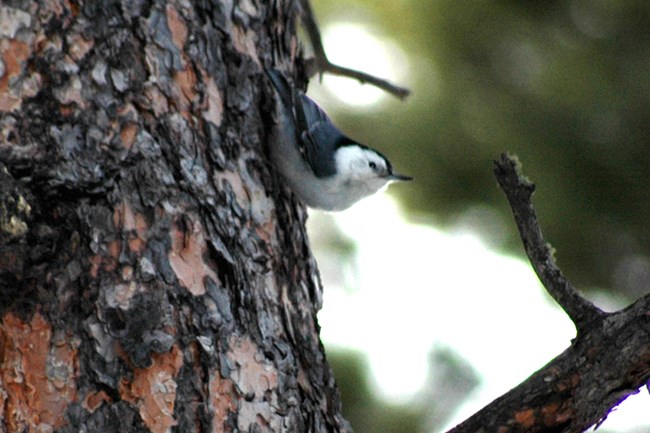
[154, 276]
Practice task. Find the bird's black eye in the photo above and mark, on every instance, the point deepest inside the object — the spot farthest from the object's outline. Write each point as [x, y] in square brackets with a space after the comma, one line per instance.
[372, 165]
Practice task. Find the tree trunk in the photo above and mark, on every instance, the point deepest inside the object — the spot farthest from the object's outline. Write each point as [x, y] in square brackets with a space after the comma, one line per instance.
[153, 273]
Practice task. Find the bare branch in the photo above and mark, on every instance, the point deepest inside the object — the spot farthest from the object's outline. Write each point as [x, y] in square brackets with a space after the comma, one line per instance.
[607, 363]
[322, 64]
[519, 190]
[578, 388]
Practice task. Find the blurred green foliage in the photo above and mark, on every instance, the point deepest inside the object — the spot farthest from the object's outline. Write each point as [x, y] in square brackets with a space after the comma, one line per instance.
[450, 381]
[565, 85]
[365, 411]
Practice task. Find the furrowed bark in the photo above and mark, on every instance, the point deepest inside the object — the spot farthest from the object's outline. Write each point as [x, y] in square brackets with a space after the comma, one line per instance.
[153, 274]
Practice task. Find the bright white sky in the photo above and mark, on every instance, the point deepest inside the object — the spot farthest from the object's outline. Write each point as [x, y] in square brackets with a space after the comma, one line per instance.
[364, 51]
[411, 287]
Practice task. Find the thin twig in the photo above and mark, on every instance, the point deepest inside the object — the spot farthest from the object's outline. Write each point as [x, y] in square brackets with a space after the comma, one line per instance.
[519, 190]
[322, 63]
[400, 92]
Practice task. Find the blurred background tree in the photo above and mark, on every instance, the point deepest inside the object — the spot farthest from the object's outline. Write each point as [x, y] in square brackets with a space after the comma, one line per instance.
[565, 85]
[450, 381]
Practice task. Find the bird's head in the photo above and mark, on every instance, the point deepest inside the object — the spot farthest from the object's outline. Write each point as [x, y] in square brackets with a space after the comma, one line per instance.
[357, 164]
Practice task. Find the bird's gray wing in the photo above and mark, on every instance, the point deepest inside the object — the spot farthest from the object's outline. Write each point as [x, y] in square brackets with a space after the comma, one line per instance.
[318, 136]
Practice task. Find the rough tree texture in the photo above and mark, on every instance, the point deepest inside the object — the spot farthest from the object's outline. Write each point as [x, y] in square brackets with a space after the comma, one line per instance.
[153, 274]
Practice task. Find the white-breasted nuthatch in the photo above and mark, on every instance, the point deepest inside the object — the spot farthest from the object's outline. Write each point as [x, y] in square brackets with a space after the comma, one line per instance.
[322, 166]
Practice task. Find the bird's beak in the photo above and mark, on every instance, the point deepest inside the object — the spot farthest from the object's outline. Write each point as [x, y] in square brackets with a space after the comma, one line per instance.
[393, 176]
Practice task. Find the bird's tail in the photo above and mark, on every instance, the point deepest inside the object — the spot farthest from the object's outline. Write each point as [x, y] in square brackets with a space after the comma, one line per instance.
[281, 85]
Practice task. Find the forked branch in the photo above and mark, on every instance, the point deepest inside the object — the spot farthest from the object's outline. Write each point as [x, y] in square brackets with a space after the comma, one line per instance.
[609, 360]
[519, 191]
